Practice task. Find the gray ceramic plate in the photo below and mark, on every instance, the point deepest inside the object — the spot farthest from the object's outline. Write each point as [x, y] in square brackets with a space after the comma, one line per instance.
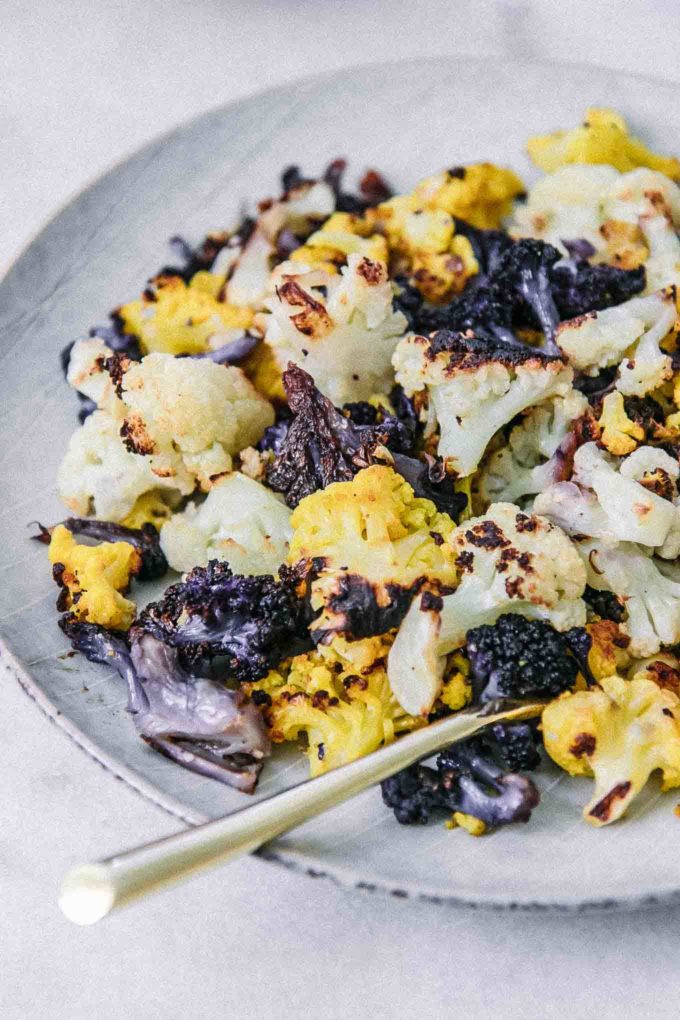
[408, 118]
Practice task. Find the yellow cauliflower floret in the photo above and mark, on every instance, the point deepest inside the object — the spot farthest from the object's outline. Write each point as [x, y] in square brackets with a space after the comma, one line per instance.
[602, 138]
[608, 650]
[620, 434]
[371, 543]
[150, 508]
[340, 236]
[619, 733]
[480, 193]
[265, 373]
[337, 697]
[172, 317]
[93, 577]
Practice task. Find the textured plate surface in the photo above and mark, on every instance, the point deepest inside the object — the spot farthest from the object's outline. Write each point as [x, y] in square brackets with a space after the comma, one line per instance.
[408, 119]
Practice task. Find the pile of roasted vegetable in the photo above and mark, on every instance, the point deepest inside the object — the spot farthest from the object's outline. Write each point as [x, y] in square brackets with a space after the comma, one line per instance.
[409, 453]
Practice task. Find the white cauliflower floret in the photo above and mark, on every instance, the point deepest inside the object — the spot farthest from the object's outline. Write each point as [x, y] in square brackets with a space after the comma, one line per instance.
[475, 387]
[600, 339]
[87, 374]
[169, 423]
[652, 600]
[629, 219]
[99, 476]
[345, 339]
[566, 205]
[189, 416]
[617, 499]
[302, 207]
[510, 562]
[533, 457]
[241, 522]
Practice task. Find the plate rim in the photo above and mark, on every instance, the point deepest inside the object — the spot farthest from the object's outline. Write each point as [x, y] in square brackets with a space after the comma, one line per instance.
[299, 861]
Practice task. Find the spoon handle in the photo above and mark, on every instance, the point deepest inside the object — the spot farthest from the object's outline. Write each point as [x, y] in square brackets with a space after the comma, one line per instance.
[91, 891]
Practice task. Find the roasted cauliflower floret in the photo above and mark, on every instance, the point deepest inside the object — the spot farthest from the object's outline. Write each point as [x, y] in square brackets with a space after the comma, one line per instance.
[344, 339]
[619, 433]
[602, 138]
[480, 193]
[299, 210]
[99, 476]
[534, 455]
[342, 235]
[241, 523]
[509, 562]
[475, 386]
[172, 423]
[566, 205]
[92, 578]
[620, 500]
[371, 545]
[618, 732]
[629, 335]
[338, 697]
[173, 317]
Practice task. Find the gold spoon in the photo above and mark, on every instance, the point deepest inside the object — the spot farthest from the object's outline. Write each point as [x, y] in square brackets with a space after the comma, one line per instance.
[91, 891]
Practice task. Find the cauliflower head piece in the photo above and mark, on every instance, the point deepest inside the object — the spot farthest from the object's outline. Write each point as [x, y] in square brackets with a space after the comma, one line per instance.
[92, 578]
[371, 545]
[629, 335]
[174, 317]
[650, 597]
[619, 732]
[345, 339]
[99, 476]
[343, 234]
[535, 453]
[510, 562]
[475, 387]
[629, 499]
[602, 138]
[169, 423]
[241, 523]
[338, 697]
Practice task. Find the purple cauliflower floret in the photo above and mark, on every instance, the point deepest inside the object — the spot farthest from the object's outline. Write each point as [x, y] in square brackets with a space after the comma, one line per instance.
[249, 623]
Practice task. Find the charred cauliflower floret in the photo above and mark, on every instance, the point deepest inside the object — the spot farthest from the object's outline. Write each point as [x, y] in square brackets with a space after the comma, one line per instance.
[371, 545]
[241, 523]
[510, 562]
[602, 138]
[620, 434]
[475, 386]
[341, 329]
[628, 499]
[538, 451]
[628, 335]
[338, 697]
[343, 234]
[645, 586]
[173, 317]
[98, 475]
[173, 423]
[92, 578]
[619, 732]
[628, 220]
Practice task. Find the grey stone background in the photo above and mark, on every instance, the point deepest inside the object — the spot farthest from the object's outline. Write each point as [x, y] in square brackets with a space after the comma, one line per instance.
[81, 85]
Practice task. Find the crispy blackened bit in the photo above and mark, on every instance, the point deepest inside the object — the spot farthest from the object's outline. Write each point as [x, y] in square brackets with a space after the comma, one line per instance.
[578, 287]
[322, 445]
[249, 624]
[605, 603]
[359, 611]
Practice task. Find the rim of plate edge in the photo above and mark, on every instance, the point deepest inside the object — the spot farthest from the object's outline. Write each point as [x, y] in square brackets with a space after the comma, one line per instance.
[308, 864]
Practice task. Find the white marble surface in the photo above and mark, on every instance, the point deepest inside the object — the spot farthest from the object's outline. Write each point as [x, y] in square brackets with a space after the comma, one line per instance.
[80, 86]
